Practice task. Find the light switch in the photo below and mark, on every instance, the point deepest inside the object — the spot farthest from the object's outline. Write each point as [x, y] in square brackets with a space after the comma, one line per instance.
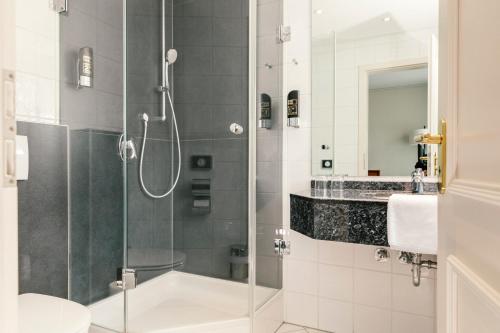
[22, 157]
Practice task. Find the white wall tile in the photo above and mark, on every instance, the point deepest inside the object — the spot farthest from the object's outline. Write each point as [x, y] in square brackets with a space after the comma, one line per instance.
[299, 47]
[335, 282]
[408, 323]
[299, 176]
[298, 14]
[407, 298]
[299, 77]
[36, 16]
[301, 309]
[302, 247]
[301, 276]
[372, 288]
[335, 316]
[268, 51]
[372, 320]
[336, 253]
[268, 80]
[36, 61]
[300, 141]
[364, 257]
[267, 16]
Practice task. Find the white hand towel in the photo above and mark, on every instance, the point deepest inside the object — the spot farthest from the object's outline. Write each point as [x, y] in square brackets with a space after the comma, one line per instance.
[412, 223]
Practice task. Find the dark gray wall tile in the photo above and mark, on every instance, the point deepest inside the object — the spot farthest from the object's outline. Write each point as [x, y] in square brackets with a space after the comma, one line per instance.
[43, 212]
[107, 11]
[228, 32]
[229, 8]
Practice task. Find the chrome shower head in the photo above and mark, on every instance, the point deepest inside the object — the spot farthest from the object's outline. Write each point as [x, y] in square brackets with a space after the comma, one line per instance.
[171, 56]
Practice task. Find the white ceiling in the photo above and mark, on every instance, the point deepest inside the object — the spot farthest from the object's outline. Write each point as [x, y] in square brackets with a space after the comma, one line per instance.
[354, 19]
[398, 78]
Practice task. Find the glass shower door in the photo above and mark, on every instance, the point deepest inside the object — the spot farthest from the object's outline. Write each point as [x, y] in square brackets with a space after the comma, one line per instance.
[189, 248]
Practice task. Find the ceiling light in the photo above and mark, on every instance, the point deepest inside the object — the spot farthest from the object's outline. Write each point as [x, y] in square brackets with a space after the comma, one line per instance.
[318, 11]
[387, 19]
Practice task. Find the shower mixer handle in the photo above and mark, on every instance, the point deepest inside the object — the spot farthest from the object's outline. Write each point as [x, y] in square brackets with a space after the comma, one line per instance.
[236, 129]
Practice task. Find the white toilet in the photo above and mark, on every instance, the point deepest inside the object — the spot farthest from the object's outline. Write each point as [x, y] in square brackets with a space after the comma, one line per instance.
[48, 314]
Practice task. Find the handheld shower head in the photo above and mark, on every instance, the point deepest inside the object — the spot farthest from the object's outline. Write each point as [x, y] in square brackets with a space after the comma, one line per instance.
[171, 56]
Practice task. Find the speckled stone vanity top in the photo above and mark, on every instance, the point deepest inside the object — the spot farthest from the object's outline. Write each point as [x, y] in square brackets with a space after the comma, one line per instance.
[356, 214]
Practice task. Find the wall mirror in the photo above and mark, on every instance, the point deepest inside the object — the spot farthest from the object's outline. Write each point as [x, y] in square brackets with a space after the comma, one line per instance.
[374, 86]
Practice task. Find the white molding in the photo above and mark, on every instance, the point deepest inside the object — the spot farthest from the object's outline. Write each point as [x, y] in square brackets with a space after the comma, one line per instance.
[363, 96]
[8, 195]
[450, 109]
[458, 276]
[476, 190]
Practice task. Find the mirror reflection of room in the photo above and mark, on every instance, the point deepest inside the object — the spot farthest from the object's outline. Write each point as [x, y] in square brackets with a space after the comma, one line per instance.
[374, 74]
[397, 112]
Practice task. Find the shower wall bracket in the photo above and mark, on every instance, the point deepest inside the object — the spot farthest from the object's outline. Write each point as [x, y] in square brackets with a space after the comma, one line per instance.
[284, 33]
[59, 6]
[126, 149]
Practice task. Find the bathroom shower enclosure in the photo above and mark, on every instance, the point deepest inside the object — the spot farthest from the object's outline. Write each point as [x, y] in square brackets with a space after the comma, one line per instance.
[162, 165]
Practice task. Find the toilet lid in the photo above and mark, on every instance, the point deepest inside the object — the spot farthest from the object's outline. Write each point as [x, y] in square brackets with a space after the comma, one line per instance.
[47, 314]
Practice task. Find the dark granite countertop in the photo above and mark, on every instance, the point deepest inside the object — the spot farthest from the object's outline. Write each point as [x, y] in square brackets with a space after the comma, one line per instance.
[357, 214]
[349, 195]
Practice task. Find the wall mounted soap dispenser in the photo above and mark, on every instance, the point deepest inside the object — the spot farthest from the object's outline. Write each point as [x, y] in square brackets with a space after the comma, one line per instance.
[265, 111]
[85, 68]
[293, 108]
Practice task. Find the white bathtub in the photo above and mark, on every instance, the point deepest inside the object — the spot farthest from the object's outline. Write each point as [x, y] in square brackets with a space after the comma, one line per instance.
[178, 302]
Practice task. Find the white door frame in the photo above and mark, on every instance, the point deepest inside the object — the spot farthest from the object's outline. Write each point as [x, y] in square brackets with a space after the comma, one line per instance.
[8, 186]
[364, 92]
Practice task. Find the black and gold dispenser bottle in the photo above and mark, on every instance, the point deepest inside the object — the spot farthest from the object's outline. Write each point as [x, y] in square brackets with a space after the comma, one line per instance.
[265, 111]
[293, 108]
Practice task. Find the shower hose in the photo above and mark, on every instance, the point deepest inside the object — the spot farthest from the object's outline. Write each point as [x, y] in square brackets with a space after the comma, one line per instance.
[145, 118]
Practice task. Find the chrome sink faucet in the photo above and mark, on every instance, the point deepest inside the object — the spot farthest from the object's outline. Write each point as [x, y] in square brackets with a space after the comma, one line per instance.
[417, 181]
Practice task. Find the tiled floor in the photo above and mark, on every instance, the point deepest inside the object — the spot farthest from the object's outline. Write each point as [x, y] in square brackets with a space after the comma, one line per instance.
[289, 328]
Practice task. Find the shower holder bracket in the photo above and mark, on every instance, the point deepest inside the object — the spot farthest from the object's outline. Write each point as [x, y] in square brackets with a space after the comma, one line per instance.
[59, 6]
[126, 149]
[284, 33]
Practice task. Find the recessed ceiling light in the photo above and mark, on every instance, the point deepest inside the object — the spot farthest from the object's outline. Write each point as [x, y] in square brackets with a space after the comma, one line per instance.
[318, 11]
[387, 19]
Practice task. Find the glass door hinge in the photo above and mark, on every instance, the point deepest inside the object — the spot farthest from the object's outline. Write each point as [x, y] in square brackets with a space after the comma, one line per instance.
[281, 247]
[284, 33]
[59, 6]
[126, 278]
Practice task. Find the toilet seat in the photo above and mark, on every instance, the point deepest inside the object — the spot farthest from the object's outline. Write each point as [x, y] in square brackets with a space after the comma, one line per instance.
[48, 314]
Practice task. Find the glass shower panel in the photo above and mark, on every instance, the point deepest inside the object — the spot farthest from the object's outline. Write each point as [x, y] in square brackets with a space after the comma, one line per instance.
[269, 196]
[150, 222]
[93, 116]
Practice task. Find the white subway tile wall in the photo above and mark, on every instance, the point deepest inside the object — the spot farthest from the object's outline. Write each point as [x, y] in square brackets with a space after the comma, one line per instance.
[37, 57]
[338, 287]
[347, 289]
